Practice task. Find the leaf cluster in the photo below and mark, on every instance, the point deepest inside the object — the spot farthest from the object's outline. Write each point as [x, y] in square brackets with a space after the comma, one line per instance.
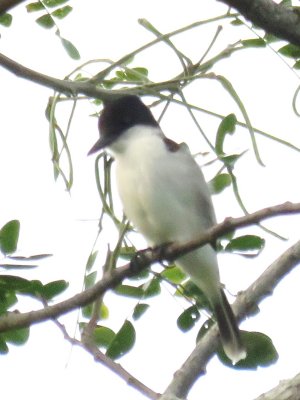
[12, 286]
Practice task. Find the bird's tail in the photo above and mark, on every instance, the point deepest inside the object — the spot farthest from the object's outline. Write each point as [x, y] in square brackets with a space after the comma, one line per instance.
[229, 331]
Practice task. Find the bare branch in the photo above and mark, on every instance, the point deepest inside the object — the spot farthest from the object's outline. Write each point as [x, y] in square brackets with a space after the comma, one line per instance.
[87, 345]
[287, 390]
[277, 19]
[194, 366]
[110, 279]
[120, 371]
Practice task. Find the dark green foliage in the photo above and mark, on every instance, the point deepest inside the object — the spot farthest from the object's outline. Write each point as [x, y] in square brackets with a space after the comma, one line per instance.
[5, 19]
[246, 245]
[219, 183]
[254, 43]
[290, 50]
[260, 352]
[9, 235]
[227, 126]
[122, 342]
[139, 310]
[46, 21]
[188, 318]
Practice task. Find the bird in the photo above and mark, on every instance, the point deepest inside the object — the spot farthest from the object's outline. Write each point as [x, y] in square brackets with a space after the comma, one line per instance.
[166, 198]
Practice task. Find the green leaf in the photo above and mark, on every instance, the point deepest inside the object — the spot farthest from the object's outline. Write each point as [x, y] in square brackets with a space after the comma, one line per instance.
[139, 310]
[21, 285]
[17, 266]
[5, 19]
[90, 279]
[136, 74]
[260, 352]
[121, 75]
[290, 50]
[246, 243]
[87, 311]
[11, 282]
[227, 126]
[17, 336]
[62, 12]
[122, 342]
[91, 260]
[254, 42]
[189, 289]
[151, 288]
[36, 6]
[204, 328]
[269, 38]
[70, 49]
[103, 336]
[30, 258]
[8, 298]
[54, 3]
[188, 318]
[174, 274]
[219, 183]
[46, 21]
[109, 84]
[54, 288]
[297, 65]
[237, 22]
[103, 312]
[3, 345]
[83, 78]
[127, 252]
[34, 288]
[231, 159]
[129, 291]
[9, 235]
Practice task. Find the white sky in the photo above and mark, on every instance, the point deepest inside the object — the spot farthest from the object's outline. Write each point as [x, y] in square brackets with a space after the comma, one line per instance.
[66, 225]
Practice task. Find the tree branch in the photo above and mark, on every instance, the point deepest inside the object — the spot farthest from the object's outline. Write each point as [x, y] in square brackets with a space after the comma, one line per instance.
[287, 390]
[61, 85]
[16, 320]
[173, 251]
[111, 279]
[120, 371]
[6, 5]
[281, 21]
[194, 366]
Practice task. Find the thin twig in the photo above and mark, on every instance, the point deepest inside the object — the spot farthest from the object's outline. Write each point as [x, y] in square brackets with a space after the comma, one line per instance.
[87, 344]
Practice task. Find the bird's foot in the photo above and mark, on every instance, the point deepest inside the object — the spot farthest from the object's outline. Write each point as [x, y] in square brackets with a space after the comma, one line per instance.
[141, 260]
[145, 257]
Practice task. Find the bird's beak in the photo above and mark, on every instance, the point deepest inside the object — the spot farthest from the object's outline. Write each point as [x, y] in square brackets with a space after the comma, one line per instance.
[103, 142]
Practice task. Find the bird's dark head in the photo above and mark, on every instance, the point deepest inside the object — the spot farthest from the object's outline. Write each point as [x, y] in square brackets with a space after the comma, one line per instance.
[119, 115]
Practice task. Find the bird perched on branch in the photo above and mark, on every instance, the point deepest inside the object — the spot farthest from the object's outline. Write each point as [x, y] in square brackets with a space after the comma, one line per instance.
[165, 196]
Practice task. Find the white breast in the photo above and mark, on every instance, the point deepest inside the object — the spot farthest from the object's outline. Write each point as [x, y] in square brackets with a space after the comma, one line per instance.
[163, 193]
